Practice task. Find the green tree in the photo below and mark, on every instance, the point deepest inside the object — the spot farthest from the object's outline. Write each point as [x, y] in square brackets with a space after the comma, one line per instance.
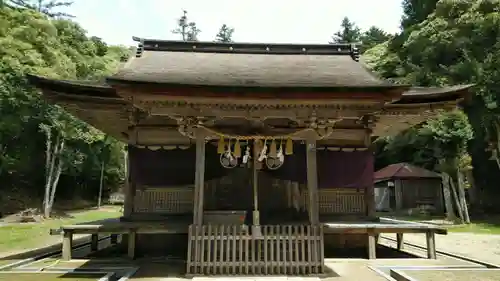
[225, 34]
[41, 144]
[45, 7]
[349, 32]
[186, 29]
[416, 11]
[373, 37]
[454, 42]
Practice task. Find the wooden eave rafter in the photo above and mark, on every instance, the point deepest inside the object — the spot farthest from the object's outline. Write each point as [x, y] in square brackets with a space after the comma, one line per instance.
[149, 91]
[418, 108]
[396, 118]
[82, 99]
[104, 113]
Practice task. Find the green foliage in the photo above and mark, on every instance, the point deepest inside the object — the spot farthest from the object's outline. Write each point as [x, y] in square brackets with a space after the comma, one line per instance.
[441, 138]
[372, 37]
[45, 7]
[416, 11]
[31, 43]
[349, 32]
[450, 42]
[225, 34]
[187, 29]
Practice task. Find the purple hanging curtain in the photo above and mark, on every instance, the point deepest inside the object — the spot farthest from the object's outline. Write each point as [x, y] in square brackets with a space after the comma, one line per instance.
[341, 169]
[336, 169]
[172, 167]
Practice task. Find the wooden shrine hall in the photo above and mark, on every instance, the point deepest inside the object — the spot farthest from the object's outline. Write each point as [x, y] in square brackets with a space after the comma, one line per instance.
[251, 157]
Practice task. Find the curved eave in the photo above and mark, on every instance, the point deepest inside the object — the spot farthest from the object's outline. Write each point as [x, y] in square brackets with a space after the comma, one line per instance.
[157, 86]
[418, 108]
[94, 103]
[420, 95]
[83, 88]
[396, 118]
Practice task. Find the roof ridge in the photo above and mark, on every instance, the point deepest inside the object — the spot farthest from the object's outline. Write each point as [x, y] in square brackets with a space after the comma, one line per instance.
[247, 48]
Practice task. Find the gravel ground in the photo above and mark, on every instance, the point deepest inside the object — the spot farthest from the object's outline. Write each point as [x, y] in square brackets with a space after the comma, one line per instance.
[483, 247]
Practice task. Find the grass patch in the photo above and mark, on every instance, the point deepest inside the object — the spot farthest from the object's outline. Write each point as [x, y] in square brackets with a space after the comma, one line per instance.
[31, 235]
[480, 227]
[6, 262]
[9, 276]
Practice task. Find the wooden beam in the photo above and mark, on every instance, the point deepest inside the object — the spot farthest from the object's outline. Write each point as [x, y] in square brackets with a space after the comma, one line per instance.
[67, 245]
[399, 241]
[132, 239]
[128, 204]
[154, 135]
[372, 245]
[94, 242]
[431, 244]
[199, 177]
[312, 181]
[291, 113]
[217, 94]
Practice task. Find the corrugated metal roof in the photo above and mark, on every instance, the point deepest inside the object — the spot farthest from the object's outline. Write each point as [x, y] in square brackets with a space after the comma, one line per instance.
[403, 170]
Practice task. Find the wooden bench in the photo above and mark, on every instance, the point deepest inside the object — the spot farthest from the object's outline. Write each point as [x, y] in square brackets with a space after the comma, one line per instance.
[385, 225]
[114, 227]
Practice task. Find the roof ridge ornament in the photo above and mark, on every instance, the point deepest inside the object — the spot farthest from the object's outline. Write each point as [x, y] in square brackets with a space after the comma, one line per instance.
[140, 48]
[354, 52]
[243, 47]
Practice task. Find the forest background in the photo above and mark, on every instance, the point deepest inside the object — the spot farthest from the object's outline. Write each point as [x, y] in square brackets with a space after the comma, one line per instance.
[44, 149]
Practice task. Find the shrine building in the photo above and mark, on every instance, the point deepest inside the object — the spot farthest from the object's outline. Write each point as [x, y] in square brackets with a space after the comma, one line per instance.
[252, 158]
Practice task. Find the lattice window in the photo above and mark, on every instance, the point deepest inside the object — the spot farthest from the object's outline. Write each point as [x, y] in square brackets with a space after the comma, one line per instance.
[338, 201]
[171, 200]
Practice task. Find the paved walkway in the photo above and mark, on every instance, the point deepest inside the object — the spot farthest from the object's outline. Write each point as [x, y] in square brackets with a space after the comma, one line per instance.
[484, 247]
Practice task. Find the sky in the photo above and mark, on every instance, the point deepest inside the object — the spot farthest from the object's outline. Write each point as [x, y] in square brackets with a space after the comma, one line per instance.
[268, 21]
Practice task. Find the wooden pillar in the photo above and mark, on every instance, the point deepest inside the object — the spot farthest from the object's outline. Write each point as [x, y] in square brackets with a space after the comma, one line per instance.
[370, 190]
[256, 231]
[372, 245]
[399, 241]
[94, 242]
[398, 194]
[67, 245]
[113, 239]
[370, 202]
[199, 180]
[132, 237]
[128, 203]
[431, 244]
[312, 181]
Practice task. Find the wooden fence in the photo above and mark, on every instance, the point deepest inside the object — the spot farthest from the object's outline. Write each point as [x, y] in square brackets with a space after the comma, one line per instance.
[279, 249]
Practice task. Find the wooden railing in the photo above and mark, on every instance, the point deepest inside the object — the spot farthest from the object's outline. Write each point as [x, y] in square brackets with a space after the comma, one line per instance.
[178, 200]
[279, 249]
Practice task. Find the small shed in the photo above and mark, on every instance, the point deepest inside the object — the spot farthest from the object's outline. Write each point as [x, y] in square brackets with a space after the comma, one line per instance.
[403, 186]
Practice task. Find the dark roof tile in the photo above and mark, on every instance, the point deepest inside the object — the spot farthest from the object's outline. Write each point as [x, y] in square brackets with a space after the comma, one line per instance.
[247, 65]
[403, 170]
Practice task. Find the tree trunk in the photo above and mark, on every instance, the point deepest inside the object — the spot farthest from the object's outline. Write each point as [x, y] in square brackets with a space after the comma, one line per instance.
[450, 214]
[54, 157]
[49, 162]
[461, 195]
[472, 190]
[99, 198]
[54, 184]
[456, 199]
